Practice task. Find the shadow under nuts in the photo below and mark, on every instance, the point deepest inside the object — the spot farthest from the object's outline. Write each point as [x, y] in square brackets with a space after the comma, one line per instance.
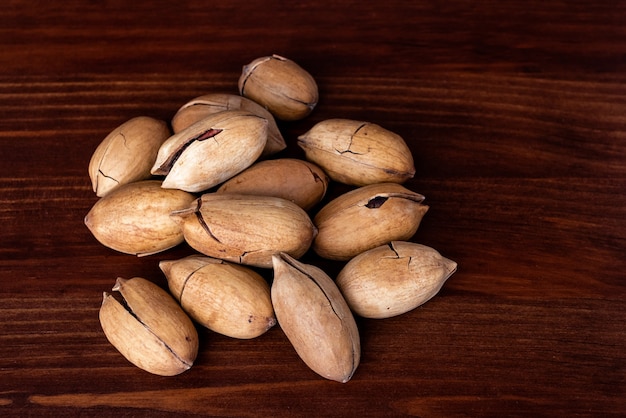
[315, 318]
[226, 298]
[246, 229]
[393, 279]
[365, 218]
[135, 218]
[149, 328]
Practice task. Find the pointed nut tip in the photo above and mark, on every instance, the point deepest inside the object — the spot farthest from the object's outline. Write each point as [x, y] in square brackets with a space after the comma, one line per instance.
[280, 261]
[119, 282]
[87, 220]
[451, 265]
[166, 265]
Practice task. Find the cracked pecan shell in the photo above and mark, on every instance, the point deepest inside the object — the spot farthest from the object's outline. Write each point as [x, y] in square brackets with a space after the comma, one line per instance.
[148, 327]
[358, 153]
[393, 279]
[211, 151]
[287, 90]
[246, 229]
[315, 318]
[126, 154]
[206, 105]
[365, 218]
[226, 298]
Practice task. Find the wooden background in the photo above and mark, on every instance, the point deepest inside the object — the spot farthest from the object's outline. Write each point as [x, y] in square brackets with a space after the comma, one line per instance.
[516, 116]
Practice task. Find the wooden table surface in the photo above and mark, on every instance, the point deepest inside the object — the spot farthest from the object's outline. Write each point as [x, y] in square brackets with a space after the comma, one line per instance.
[516, 116]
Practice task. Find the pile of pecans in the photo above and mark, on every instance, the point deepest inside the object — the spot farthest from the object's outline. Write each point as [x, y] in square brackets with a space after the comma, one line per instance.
[214, 182]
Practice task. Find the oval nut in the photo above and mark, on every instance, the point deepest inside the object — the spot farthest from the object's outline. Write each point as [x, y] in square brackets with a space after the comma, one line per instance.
[315, 318]
[365, 218]
[211, 151]
[149, 328]
[226, 298]
[135, 218]
[393, 279]
[127, 154]
[358, 153]
[204, 106]
[246, 229]
[299, 181]
[287, 90]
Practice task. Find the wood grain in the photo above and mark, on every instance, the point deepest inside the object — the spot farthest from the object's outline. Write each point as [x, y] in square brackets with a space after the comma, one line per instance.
[516, 116]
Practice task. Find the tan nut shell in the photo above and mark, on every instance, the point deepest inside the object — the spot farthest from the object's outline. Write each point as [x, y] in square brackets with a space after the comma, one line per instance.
[127, 154]
[299, 181]
[393, 279]
[211, 151]
[226, 298]
[287, 90]
[246, 229]
[358, 153]
[135, 218]
[152, 332]
[203, 106]
[315, 318]
[365, 218]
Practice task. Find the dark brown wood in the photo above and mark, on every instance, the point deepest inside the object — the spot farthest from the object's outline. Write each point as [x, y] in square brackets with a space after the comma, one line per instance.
[515, 113]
